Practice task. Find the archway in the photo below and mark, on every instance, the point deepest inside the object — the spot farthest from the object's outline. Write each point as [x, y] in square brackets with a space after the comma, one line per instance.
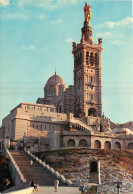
[97, 144]
[60, 107]
[71, 143]
[93, 166]
[92, 112]
[107, 145]
[82, 143]
[130, 146]
[117, 145]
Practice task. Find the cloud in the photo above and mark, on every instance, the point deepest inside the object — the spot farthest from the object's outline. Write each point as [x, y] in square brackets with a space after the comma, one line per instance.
[30, 47]
[4, 2]
[21, 3]
[104, 35]
[117, 42]
[69, 40]
[21, 16]
[121, 23]
[16, 16]
[46, 4]
[114, 37]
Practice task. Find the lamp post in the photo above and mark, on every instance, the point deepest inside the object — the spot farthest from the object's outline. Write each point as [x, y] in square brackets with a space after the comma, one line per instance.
[118, 185]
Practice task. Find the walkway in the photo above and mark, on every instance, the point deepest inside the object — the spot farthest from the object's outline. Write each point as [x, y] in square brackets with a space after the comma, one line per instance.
[61, 190]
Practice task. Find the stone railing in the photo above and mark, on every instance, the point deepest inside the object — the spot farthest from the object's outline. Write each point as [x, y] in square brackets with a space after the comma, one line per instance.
[83, 125]
[44, 165]
[17, 176]
[103, 134]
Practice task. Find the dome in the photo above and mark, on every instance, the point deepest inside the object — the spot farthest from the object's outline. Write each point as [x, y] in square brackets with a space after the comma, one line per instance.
[54, 86]
[55, 80]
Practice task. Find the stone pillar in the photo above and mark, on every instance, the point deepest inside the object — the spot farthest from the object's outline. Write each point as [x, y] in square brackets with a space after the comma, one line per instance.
[69, 120]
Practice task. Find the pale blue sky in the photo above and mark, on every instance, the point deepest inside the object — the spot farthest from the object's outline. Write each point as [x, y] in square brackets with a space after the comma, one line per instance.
[35, 38]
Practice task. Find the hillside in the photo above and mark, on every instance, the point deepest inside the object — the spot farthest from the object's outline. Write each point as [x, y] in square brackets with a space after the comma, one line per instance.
[116, 165]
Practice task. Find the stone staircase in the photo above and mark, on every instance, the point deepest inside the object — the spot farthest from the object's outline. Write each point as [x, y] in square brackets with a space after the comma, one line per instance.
[41, 175]
[81, 125]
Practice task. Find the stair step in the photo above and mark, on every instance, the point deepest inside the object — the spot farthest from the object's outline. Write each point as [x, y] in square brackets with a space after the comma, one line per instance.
[41, 175]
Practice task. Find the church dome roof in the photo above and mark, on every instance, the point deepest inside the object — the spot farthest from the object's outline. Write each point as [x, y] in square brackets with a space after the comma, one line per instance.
[55, 80]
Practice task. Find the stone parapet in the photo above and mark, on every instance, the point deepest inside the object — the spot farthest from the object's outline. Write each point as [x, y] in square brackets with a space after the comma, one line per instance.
[17, 176]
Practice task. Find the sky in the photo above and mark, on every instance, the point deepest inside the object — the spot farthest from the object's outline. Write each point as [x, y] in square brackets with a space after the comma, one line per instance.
[36, 39]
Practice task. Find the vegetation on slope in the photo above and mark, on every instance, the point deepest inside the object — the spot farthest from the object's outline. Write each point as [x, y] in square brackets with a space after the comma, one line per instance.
[69, 160]
[5, 177]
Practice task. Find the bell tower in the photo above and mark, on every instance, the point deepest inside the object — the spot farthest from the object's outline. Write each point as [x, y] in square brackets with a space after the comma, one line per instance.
[87, 71]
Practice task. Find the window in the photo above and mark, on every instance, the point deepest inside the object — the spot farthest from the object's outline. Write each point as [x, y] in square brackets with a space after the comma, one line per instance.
[91, 59]
[78, 60]
[91, 96]
[96, 62]
[87, 58]
[28, 106]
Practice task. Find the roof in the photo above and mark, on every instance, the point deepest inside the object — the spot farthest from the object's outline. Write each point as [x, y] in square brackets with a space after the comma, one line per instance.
[55, 80]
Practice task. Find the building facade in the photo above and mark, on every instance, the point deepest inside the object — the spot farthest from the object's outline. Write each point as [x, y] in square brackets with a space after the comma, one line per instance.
[68, 117]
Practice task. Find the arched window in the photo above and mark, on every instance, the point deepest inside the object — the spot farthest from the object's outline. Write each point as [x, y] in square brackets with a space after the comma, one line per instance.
[91, 59]
[71, 143]
[96, 62]
[87, 58]
[117, 145]
[60, 107]
[130, 146]
[82, 143]
[92, 112]
[107, 145]
[97, 144]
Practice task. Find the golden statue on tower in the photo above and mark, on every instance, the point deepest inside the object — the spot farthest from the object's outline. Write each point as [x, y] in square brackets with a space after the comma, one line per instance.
[87, 12]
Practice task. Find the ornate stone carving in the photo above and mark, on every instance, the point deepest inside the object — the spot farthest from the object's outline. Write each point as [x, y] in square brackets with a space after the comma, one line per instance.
[87, 12]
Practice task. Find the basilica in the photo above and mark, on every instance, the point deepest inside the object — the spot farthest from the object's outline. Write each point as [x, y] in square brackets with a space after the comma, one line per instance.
[68, 116]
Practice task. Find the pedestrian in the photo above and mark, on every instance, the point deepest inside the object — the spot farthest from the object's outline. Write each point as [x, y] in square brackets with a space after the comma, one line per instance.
[35, 185]
[56, 183]
[31, 163]
[83, 188]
